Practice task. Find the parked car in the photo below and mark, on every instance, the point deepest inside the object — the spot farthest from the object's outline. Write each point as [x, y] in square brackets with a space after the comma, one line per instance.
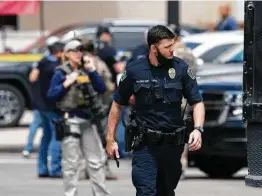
[233, 55]
[125, 32]
[223, 150]
[209, 45]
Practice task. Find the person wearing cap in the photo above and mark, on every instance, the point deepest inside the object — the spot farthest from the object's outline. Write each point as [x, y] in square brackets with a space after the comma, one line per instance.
[37, 121]
[104, 72]
[82, 134]
[48, 112]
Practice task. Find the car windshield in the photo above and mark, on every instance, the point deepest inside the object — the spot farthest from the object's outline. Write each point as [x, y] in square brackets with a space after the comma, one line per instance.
[191, 45]
[213, 53]
[238, 58]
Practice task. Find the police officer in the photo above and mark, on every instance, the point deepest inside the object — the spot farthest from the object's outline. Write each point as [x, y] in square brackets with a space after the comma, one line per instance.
[158, 82]
[82, 134]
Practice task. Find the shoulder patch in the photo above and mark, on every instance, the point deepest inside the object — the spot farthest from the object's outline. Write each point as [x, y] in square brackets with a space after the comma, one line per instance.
[190, 73]
[124, 75]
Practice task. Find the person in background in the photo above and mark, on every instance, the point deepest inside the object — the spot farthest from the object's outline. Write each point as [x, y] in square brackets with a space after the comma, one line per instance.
[140, 50]
[186, 54]
[48, 113]
[37, 100]
[82, 137]
[104, 72]
[227, 21]
[106, 51]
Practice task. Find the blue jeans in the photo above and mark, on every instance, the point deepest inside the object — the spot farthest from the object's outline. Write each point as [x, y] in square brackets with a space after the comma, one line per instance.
[50, 143]
[121, 136]
[32, 130]
[156, 170]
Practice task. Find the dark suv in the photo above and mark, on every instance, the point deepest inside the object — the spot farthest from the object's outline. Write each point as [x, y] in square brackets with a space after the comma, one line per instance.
[224, 142]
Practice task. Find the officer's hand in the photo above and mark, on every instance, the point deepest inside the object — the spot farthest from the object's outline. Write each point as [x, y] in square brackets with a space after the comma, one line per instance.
[112, 149]
[70, 79]
[89, 64]
[195, 140]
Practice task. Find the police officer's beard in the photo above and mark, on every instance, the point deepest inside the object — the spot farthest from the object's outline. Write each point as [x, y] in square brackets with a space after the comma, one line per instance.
[162, 60]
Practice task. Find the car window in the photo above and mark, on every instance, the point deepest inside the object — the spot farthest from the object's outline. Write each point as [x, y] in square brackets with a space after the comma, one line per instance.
[238, 58]
[128, 40]
[210, 55]
[191, 45]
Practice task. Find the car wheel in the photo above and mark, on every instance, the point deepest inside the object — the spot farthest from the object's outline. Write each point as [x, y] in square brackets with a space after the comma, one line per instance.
[12, 105]
[218, 167]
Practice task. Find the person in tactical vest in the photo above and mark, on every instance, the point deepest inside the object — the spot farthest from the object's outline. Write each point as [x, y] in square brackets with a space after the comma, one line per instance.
[157, 133]
[73, 88]
[105, 98]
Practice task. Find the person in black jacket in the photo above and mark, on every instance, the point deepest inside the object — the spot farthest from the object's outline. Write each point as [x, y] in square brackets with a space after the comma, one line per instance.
[48, 112]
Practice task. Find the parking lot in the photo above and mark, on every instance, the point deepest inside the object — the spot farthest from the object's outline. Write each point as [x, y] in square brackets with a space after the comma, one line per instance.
[18, 178]
[18, 175]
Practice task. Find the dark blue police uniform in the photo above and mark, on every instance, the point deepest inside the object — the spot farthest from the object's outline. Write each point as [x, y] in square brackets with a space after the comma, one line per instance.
[156, 169]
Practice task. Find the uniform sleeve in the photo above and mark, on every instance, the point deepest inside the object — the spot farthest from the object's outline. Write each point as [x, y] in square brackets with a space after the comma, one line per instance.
[190, 87]
[125, 89]
[57, 90]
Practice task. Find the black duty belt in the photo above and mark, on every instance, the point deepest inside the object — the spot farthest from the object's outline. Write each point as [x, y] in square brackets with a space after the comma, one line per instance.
[75, 135]
[155, 137]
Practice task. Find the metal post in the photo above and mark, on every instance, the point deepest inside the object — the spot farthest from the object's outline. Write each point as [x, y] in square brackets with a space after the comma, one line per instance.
[41, 17]
[173, 12]
[252, 100]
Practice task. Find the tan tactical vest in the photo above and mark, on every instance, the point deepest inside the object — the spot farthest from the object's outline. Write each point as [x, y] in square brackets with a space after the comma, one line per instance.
[74, 96]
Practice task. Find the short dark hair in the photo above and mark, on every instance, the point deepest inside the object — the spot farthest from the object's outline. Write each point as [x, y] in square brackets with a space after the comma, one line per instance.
[102, 29]
[158, 33]
[56, 47]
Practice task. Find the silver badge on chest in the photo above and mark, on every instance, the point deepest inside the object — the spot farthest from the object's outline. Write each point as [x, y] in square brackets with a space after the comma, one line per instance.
[172, 73]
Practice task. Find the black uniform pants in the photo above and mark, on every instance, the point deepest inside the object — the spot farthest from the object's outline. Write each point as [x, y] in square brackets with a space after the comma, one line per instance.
[156, 170]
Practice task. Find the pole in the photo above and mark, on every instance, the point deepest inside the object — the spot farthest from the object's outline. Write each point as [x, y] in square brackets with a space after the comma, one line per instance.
[41, 18]
[3, 33]
[173, 12]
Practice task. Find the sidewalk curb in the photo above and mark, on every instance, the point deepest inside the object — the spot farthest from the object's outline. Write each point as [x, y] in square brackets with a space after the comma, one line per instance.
[14, 149]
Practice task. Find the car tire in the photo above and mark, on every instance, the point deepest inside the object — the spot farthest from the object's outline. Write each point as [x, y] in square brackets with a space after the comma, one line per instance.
[218, 167]
[16, 101]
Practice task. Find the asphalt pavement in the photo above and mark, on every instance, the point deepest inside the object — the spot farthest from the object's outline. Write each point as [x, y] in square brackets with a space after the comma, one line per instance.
[18, 178]
[18, 175]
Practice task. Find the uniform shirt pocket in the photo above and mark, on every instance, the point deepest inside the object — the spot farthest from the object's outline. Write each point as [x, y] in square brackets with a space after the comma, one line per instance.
[172, 92]
[143, 93]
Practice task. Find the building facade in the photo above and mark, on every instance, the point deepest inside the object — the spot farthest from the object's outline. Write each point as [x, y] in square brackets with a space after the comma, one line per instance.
[57, 13]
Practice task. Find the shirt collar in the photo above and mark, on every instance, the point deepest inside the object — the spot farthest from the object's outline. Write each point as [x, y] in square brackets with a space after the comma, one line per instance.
[51, 58]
